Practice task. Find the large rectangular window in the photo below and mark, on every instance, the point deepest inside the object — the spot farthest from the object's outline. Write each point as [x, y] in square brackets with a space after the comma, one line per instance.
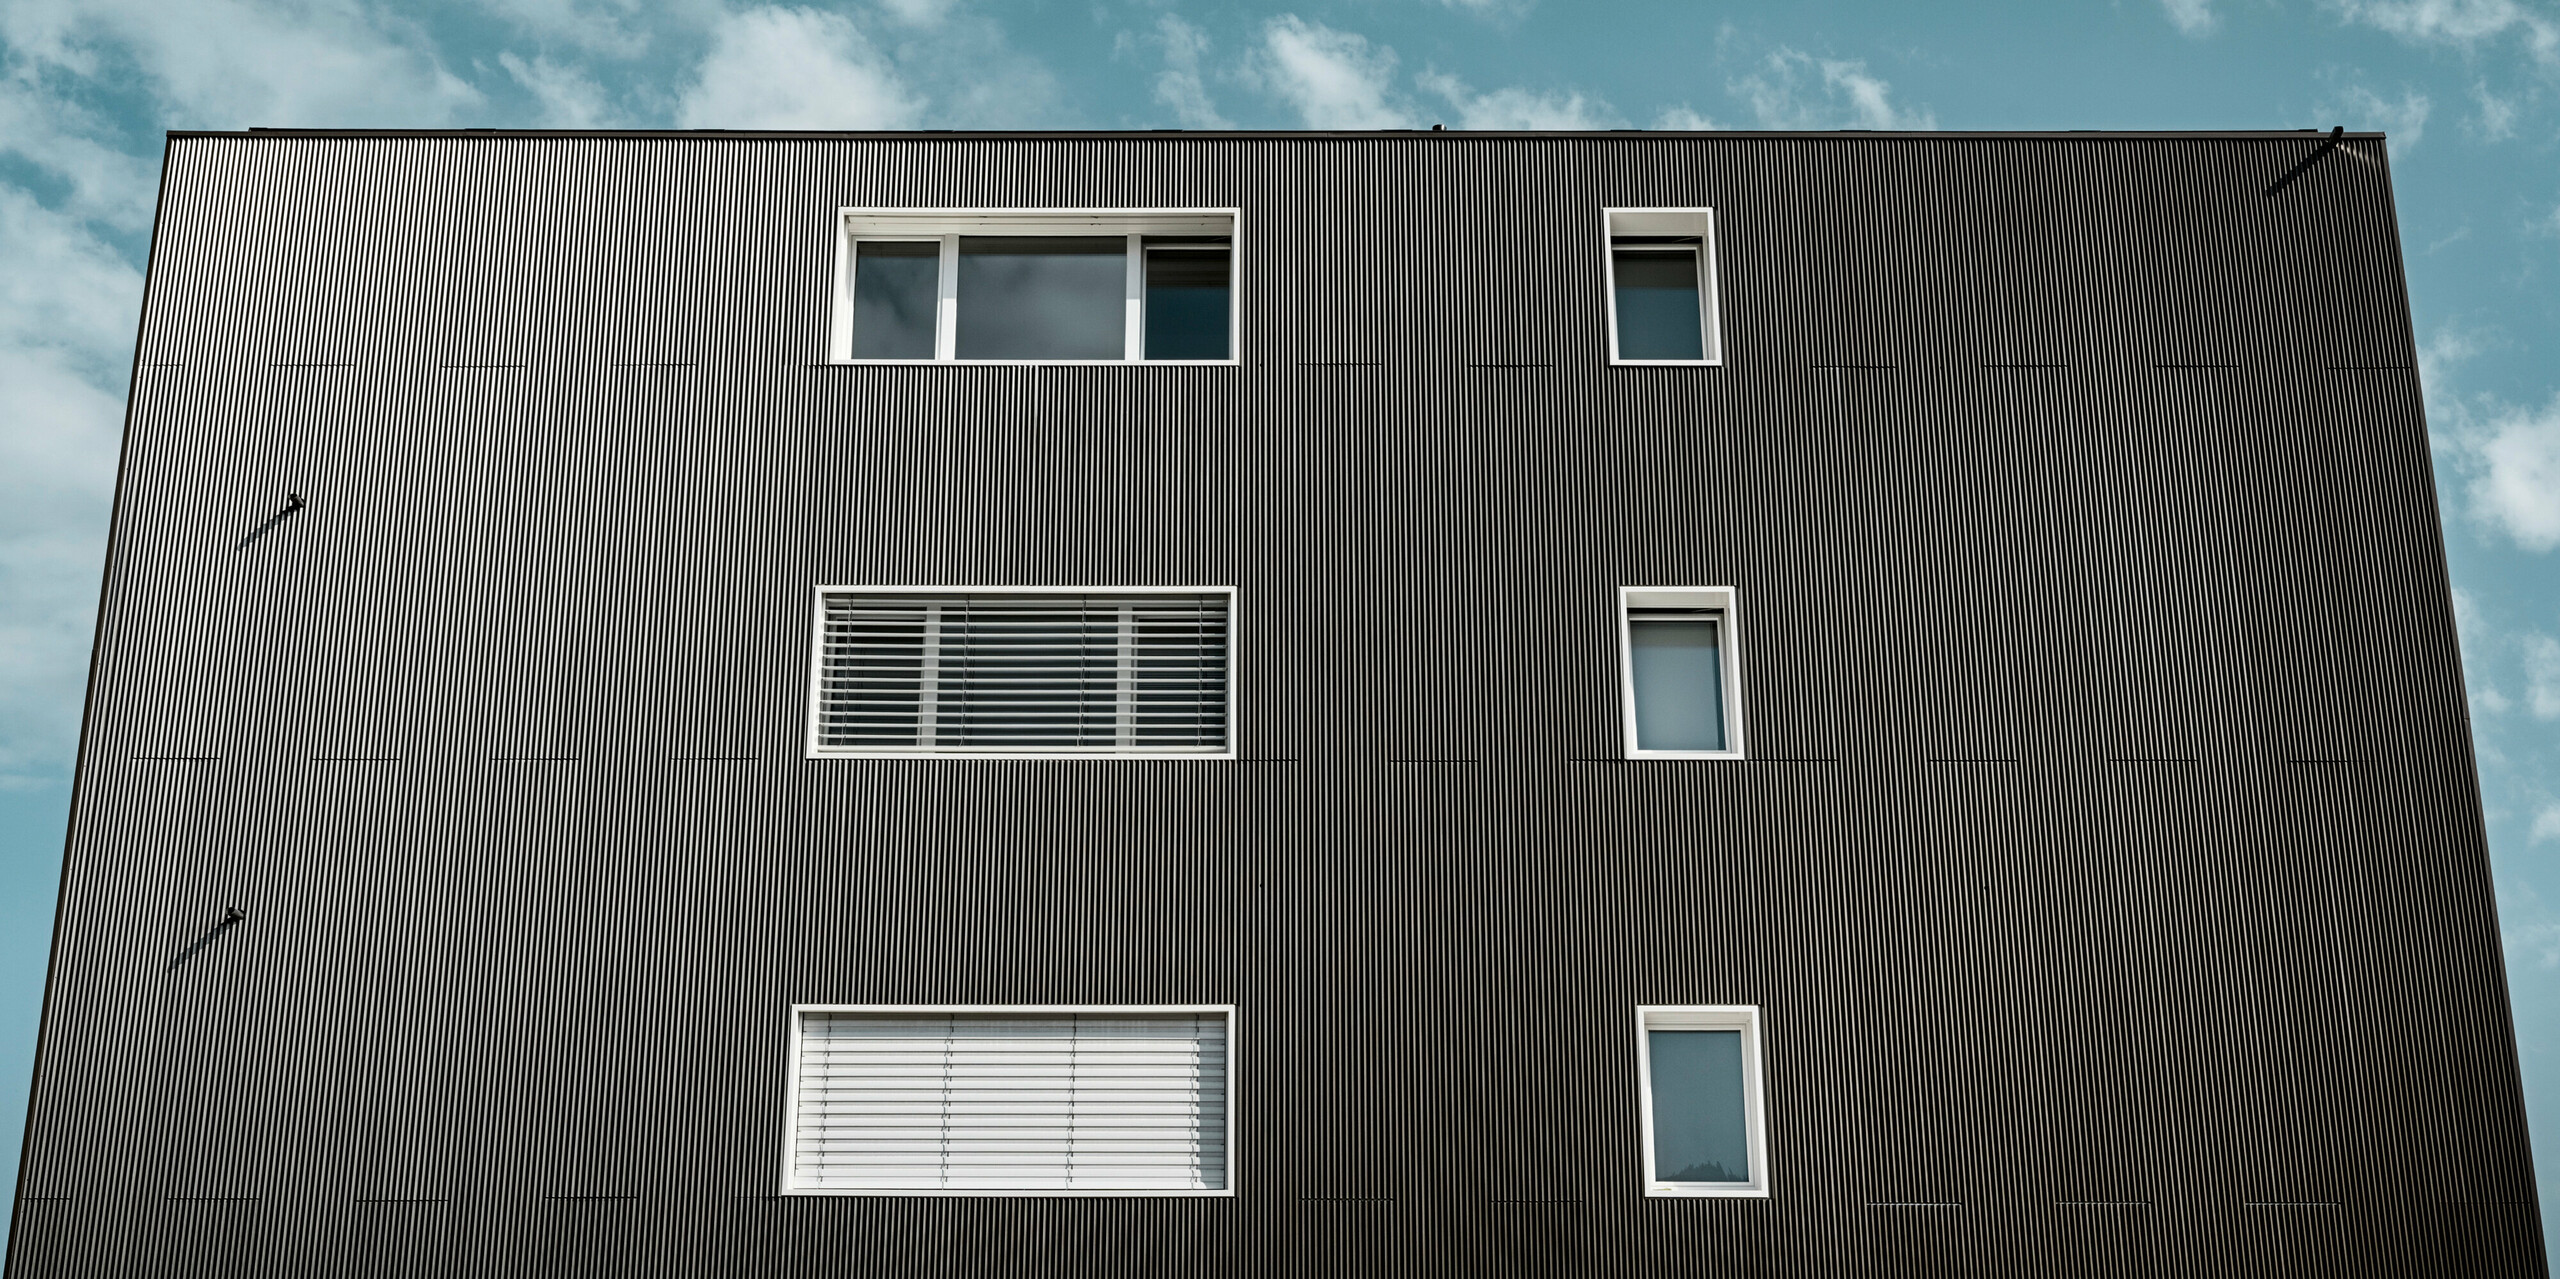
[1681, 679]
[1045, 286]
[1662, 286]
[1705, 1122]
[1063, 672]
[995, 1101]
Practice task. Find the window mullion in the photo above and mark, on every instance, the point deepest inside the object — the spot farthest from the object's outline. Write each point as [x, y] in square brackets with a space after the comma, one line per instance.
[1125, 690]
[929, 683]
[1134, 333]
[946, 307]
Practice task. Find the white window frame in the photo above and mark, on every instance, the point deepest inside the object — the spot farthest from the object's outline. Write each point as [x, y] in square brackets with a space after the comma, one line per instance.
[946, 226]
[818, 650]
[791, 1095]
[1755, 1113]
[1700, 222]
[1728, 657]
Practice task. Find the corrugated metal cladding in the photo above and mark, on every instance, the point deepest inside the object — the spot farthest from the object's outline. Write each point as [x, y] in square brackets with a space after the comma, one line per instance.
[2109, 868]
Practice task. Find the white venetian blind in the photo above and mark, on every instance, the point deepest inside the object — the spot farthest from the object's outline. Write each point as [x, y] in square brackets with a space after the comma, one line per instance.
[1022, 672]
[1112, 1101]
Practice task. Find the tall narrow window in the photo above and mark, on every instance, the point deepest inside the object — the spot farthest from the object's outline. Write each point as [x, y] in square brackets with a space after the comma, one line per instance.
[1187, 299]
[1705, 1125]
[1661, 269]
[894, 290]
[1022, 672]
[1036, 286]
[1682, 682]
[1008, 1101]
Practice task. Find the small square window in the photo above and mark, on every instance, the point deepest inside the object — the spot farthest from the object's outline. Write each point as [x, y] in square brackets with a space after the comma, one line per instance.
[1662, 287]
[1706, 1128]
[1680, 675]
[1036, 286]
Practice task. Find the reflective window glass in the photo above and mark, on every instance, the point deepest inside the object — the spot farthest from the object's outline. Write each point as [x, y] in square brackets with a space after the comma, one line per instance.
[1700, 1124]
[893, 299]
[1043, 297]
[1678, 679]
[1657, 302]
[1187, 301]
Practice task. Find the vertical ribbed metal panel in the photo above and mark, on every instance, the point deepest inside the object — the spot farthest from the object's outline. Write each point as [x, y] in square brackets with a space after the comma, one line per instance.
[2103, 919]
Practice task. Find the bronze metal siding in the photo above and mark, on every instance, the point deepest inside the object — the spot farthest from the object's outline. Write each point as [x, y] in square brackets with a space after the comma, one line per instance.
[2075, 491]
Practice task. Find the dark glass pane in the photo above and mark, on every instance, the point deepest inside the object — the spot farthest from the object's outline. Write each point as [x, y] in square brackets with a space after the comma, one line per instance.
[1043, 297]
[1658, 304]
[1679, 686]
[893, 296]
[1187, 303]
[1698, 1121]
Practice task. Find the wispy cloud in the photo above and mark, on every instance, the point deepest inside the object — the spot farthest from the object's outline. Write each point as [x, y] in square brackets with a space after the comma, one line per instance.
[2463, 23]
[2360, 108]
[564, 97]
[1332, 79]
[794, 69]
[2194, 17]
[232, 63]
[1488, 8]
[65, 333]
[1180, 87]
[2497, 113]
[1519, 108]
[1796, 90]
[2541, 675]
[1685, 119]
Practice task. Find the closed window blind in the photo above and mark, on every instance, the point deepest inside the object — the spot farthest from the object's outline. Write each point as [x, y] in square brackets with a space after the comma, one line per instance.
[1133, 1102]
[988, 672]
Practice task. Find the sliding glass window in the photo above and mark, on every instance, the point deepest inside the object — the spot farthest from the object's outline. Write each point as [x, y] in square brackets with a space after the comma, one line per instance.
[1037, 286]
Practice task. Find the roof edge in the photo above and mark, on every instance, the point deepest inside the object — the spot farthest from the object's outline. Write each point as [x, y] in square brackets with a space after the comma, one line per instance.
[1115, 135]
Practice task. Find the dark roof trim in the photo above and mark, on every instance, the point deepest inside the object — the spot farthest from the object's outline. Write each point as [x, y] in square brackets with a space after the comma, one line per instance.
[1123, 135]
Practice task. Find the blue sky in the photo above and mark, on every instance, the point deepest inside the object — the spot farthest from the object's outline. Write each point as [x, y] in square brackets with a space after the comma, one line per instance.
[2469, 91]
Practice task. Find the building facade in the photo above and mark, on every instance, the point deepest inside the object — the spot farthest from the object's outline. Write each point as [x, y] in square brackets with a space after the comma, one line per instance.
[1276, 704]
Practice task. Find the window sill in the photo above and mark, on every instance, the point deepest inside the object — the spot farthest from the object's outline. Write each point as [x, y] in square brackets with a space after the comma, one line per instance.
[1694, 1190]
[1644, 755]
[909, 1192]
[1666, 364]
[1140, 364]
[1094, 757]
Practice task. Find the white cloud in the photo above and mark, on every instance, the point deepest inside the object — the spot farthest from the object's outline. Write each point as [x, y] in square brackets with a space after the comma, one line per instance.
[773, 68]
[1519, 108]
[917, 13]
[230, 63]
[2439, 354]
[2532, 932]
[2542, 675]
[66, 327]
[2360, 108]
[1682, 119]
[564, 98]
[2464, 23]
[2497, 114]
[2546, 825]
[2515, 464]
[1179, 87]
[1333, 79]
[1796, 90]
[2194, 17]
